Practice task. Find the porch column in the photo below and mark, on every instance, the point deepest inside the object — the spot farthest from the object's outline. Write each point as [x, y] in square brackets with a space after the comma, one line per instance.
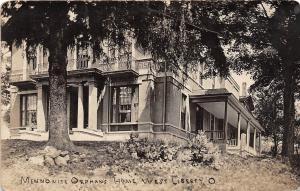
[37, 53]
[254, 139]
[260, 146]
[75, 56]
[68, 109]
[239, 130]
[93, 106]
[248, 134]
[41, 107]
[15, 105]
[225, 122]
[80, 112]
[117, 59]
[24, 68]
[133, 52]
[90, 53]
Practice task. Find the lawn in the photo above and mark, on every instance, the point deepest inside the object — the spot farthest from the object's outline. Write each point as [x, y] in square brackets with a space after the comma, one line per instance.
[101, 169]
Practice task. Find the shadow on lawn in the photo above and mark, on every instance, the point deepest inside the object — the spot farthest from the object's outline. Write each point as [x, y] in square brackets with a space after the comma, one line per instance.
[295, 163]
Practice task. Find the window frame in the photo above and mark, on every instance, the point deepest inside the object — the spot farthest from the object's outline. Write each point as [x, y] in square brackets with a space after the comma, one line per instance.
[24, 111]
[116, 106]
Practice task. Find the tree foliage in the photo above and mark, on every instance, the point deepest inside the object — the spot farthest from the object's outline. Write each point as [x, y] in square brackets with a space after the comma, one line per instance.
[268, 49]
[5, 71]
[225, 35]
[269, 112]
[165, 31]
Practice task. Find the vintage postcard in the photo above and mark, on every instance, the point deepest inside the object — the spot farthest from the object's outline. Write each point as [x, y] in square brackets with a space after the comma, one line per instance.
[150, 95]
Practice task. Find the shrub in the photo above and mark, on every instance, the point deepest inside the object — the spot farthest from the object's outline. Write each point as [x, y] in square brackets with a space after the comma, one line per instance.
[6, 116]
[149, 150]
[199, 150]
[204, 151]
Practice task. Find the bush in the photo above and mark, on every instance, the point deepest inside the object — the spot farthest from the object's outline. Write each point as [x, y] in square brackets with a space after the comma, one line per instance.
[203, 151]
[198, 151]
[150, 151]
[6, 116]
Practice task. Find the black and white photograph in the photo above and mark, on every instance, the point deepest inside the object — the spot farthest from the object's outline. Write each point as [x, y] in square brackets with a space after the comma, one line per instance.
[150, 95]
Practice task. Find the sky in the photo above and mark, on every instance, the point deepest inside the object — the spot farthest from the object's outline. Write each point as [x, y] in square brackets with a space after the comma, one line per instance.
[243, 78]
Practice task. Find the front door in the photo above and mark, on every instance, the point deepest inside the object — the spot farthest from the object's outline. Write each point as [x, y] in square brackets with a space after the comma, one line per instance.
[73, 107]
[199, 119]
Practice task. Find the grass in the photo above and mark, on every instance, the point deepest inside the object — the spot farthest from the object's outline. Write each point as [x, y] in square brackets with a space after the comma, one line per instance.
[103, 170]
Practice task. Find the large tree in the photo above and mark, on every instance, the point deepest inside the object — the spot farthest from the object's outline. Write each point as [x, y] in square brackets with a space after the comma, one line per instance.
[165, 30]
[267, 46]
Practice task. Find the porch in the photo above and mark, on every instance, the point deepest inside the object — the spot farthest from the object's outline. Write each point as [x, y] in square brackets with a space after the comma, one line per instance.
[225, 121]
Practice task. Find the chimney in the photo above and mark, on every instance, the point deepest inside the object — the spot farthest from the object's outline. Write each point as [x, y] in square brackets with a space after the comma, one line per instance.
[244, 89]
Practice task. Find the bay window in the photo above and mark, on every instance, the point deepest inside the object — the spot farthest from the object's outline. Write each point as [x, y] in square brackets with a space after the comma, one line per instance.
[124, 104]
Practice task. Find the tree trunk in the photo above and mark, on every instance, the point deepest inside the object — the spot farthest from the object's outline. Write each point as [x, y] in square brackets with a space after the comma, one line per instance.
[57, 121]
[275, 151]
[288, 111]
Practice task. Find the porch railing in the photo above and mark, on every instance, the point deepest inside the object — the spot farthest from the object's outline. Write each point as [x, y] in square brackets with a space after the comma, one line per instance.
[215, 134]
[82, 63]
[232, 142]
[124, 63]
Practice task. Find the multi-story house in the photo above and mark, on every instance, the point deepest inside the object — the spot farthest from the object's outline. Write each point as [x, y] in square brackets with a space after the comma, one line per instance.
[129, 92]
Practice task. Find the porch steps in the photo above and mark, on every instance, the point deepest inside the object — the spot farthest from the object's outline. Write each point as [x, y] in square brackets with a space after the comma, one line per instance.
[14, 132]
[86, 135]
[23, 133]
[90, 132]
[30, 133]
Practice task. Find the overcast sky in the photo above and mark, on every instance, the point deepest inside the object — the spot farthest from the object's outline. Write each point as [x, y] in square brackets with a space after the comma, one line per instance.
[243, 78]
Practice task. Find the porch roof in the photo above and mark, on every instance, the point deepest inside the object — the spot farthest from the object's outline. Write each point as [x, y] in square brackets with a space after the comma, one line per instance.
[93, 72]
[28, 84]
[72, 73]
[121, 73]
[222, 95]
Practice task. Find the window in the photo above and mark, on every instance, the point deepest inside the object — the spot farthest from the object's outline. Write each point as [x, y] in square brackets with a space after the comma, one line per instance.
[125, 52]
[83, 55]
[183, 111]
[28, 110]
[124, 104]
[32, 61]
[112, 53]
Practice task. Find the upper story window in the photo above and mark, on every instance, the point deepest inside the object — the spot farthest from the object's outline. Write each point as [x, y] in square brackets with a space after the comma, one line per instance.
[28, 110]
[83, 56]
[111, 53]
[124, 104]
[121, 53]
[125, 54]
[32, 58]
